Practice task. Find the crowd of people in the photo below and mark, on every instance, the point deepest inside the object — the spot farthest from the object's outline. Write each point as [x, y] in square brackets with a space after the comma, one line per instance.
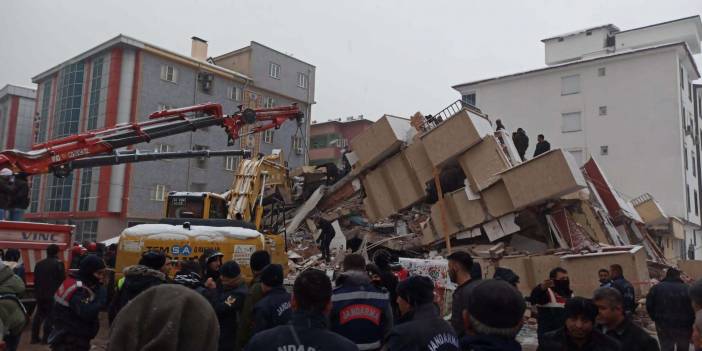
[521, 141]
[208, 305]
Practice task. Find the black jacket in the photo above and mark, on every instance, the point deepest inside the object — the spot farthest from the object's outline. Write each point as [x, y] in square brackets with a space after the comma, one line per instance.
[632, 337]
[328, 232]
[550, 317]
[80, 317]
[20, 192]
[521, 142]
[668, 304]
[628, 295]
[307, 331]
[228, 303]
[425, 330]
[542, 147]
[489, 343]
[558, 340]
[6, 191]
[272, 310]
[137, 278]
[459, 296]
[48, 275]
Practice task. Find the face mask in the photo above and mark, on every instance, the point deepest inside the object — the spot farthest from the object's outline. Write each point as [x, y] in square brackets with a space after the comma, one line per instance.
[562, 286]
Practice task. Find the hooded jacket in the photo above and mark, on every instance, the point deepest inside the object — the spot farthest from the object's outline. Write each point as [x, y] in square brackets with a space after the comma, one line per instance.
[425, 330]
[165, 318]
[668, 304]
[12, 313]
[137, 278]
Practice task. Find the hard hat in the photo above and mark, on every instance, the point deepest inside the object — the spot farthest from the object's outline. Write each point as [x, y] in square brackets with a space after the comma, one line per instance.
[76, 250]
[92, 247]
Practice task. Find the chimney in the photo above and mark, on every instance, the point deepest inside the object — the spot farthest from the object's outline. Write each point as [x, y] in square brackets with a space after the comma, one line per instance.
[199, 49]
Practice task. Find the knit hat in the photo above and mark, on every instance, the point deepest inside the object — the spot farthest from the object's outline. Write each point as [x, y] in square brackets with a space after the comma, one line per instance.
[580, 306]
[152, 259]
[507, 275]
[88, 266]
[166, 318]
[259, 260]
[417, 290]
[495, 303]
[272, 275]
[230, 269]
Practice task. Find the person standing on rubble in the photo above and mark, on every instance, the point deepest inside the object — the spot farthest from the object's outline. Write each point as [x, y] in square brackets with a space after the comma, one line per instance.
[542, 145]
[613, 322]
[668, 304]
[460, 265]
[625, 288]
[325, 238]
[360, 311]
[550, 298]
[521, 142]
[258, 261]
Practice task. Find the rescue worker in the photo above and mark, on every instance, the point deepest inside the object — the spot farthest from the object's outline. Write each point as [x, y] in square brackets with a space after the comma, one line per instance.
[258, 261]
[550, 297]
[307, 330]
[492, 317]
[460, 265]
[211, 260]
[613, 323]
[625, 288]
[420, 327]
[48, 275]
[13, 316]
[77, 254]
[542, 146]
[579, 332]
[360, 311]
[150, 271]
[668, 304]
[326, 237]
[77, 303]
[274, 308]
[605, 281]
[167, 317]
[228, 301]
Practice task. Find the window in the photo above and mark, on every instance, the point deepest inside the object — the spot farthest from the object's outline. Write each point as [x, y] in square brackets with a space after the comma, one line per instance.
[43, 121]
[570, 122]
[687, 196]
[297, 144]
[95, 93]
[163, 148]
[274, 70]
[682, 78]
[343, 143]
[201, 162]
[302, 80]
[588, 33]
[58, 197]
[169, 73]
[158, 193]
[34, 199]
[689, 90]
[234, 93]
[468, 99]
[685, 155]
[205, 82]
[694, 165]
[697, 206]
[86, 202]
[604, 150]
[601, 72]
[577, 155]
[268, 136]
[560, 39]
[603, 110]
[231, 163]
[268, 102]
[570, 84]
[86, 230]
[68, 104]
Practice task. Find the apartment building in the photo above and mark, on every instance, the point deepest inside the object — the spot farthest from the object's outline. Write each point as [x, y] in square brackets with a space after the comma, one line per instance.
[329, 139]
[124, 80]
[623, 97]
[16, 117]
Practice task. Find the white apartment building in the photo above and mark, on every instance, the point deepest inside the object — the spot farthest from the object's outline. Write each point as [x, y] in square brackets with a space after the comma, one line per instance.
[623, 97]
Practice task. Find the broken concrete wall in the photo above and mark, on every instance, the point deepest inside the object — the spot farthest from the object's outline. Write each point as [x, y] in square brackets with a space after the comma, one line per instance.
[454, 136]
[419, 161]
[382, 139]
[483, 163]
[582, 269]
[692, 268]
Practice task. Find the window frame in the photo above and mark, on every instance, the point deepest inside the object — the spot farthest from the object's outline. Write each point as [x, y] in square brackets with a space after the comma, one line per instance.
[602, 111]
[268, 136]
[563, 86]
[604, 150]
[157, 195]
[231, 163]
[302, 80]
[602, 71]
[580, 122]
[173, 73]
[274, 70]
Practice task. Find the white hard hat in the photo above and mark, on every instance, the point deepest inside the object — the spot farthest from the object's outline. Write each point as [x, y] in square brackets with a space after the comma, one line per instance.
[6, 172]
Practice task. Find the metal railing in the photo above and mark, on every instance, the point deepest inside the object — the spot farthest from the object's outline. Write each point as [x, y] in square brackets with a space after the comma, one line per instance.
[431, 121]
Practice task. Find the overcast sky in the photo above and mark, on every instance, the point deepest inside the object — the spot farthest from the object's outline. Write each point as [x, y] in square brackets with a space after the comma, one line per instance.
[372, 57]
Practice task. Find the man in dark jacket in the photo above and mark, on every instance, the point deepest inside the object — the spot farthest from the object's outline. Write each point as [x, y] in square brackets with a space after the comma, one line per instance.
[579, 332]
[149, 272]
[668, 303]
[605, 281]
[521, 142]
[625, 288]
[308, 327]
[325, 238]
[190, 275]
[274, 308]
[77, 303]
[48, 275]
[227, 301]
[420, 327]
[613, 322]
[211, 260]
[460, 265]
[542, 146]
[360, 311]
[388, 279]
[550, 297]
[258, 261]
[493, 317]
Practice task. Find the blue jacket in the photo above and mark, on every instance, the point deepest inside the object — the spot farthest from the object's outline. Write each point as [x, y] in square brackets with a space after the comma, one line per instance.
[424, 330]
[360, 311]
[628, 294]
[273, 310]
[306, 331]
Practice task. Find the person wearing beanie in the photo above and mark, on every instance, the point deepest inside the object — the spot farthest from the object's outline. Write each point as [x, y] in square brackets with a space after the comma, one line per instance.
[149, 272]
[274, 308]
[308, 327]
[77, 303]
[258, 261]
[227, 299]
[360, 311]
[492, 316]
[421, 326]
[579, 332]
[48, 275]
[211, 261]
[168, 317]
[615, 324]
[668, 303]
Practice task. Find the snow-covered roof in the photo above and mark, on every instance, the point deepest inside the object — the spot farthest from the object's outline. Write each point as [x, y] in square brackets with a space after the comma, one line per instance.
[197, 232]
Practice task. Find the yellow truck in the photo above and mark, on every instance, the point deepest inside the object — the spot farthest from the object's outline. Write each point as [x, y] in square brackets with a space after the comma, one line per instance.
[188, 242]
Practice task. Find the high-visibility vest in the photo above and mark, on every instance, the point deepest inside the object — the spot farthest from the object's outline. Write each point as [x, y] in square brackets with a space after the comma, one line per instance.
[67, 289]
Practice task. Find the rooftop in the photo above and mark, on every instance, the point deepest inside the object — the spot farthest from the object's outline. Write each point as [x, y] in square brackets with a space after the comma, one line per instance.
[245, 48]
[610, 27]
[15, 90]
